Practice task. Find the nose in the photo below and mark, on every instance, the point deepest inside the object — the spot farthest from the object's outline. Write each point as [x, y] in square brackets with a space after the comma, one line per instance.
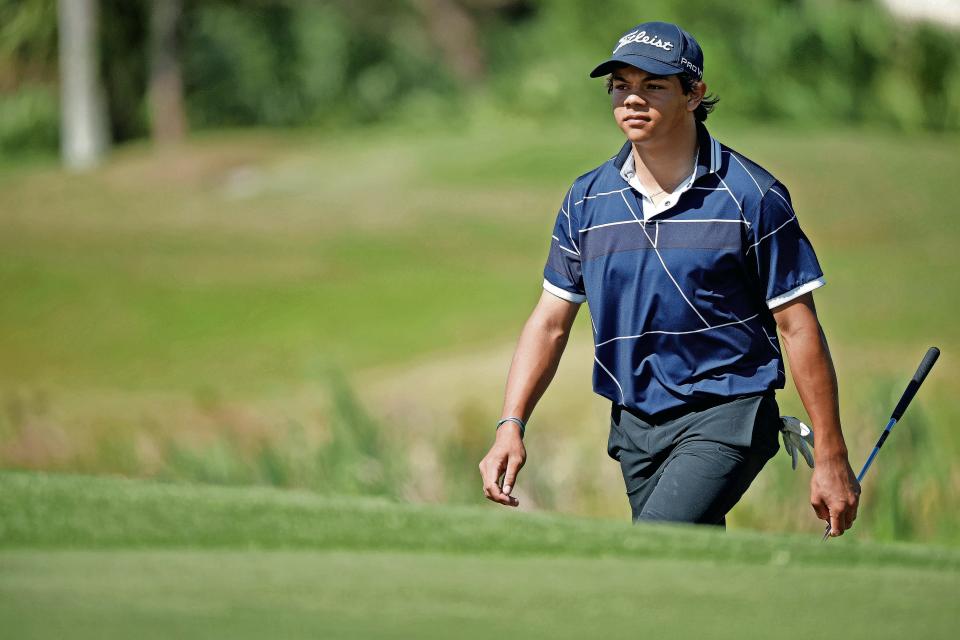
[633, 98]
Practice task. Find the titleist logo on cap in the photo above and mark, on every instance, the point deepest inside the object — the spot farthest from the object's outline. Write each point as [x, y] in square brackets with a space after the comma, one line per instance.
[643, 38]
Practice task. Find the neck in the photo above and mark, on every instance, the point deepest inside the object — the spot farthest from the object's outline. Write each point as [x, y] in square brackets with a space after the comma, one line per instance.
[668, 161]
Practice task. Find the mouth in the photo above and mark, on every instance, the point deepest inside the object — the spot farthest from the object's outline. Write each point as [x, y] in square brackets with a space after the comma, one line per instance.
[636, 120]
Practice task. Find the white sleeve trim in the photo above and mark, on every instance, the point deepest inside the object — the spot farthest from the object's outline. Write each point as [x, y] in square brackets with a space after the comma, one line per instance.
[563, 293]
[806, 287]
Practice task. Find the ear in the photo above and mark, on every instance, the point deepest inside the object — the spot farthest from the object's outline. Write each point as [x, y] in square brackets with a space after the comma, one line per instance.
[696, 95]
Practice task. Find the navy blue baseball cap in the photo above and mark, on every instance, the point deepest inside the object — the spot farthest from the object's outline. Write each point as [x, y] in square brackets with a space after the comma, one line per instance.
[656, 47]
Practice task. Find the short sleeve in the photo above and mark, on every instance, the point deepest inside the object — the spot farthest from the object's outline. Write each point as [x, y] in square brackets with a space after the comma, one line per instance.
[562, 275]
[783, 257]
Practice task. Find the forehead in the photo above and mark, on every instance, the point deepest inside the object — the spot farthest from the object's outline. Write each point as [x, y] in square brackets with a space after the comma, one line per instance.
[633, 74]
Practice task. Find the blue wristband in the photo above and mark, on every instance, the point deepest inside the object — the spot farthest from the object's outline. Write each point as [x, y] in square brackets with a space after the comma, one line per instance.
[523, 426]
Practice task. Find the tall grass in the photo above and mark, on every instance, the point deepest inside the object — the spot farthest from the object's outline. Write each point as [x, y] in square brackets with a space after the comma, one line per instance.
[346, 452]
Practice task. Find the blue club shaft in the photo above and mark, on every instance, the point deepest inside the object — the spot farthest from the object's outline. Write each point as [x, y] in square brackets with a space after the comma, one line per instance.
[866, 465]
[929, 359]
[876, 449]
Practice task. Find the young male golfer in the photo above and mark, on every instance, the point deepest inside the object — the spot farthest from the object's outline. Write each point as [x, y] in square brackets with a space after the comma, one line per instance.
[691, 258]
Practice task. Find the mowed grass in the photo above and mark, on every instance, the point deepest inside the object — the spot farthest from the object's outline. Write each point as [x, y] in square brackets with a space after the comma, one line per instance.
[390, 594]
[177, 314]
[256, 260]
[99, 557]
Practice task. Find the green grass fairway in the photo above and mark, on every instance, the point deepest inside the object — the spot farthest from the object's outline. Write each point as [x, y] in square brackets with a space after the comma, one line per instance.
[409, 594]
[104, 558]
[178, 314]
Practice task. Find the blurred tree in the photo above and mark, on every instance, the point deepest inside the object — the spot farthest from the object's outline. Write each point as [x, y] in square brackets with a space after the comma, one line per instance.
[124, 66]
[935, 59]
[455, 27]
[167, 114]
[83, 113]
[454, 31]
[28, 42]
[334, 63]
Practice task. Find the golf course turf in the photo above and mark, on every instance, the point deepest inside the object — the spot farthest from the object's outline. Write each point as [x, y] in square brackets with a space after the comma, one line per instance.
[104, 557]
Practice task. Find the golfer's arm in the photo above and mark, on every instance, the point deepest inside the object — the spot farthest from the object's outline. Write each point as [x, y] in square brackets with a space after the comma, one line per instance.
[813, 373]
[542, 341]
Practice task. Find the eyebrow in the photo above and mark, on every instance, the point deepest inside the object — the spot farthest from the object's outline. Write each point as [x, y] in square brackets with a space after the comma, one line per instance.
[650, 76]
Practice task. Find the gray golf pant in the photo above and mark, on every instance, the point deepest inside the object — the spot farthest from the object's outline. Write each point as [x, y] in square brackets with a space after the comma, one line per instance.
[693, 465]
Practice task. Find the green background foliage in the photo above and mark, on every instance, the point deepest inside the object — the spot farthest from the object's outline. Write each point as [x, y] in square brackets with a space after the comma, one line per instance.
[338, 63]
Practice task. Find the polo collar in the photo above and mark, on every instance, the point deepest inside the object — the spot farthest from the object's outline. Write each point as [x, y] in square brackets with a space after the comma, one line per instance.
[708, 156]
[708, 159]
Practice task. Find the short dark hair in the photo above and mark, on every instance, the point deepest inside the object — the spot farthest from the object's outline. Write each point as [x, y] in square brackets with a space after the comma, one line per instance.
[687, 81]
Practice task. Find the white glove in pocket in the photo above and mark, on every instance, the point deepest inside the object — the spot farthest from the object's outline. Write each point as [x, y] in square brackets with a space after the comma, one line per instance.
[796, 437]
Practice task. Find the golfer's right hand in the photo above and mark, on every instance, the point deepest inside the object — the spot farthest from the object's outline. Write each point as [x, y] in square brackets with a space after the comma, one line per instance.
[506, 455]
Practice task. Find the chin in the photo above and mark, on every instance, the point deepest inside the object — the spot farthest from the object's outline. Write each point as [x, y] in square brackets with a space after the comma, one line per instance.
[637, 135]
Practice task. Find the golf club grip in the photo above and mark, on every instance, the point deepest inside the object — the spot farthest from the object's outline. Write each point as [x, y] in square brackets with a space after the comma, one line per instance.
[925, 365]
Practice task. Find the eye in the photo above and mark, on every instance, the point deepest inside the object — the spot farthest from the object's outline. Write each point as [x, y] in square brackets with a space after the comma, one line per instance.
[655, 86]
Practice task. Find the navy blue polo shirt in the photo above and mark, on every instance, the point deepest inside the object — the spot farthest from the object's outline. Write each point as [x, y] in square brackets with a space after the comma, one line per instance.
[681, 301]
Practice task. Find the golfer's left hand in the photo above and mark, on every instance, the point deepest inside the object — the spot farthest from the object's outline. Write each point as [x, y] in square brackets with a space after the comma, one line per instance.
[506, 456]
[835, 493]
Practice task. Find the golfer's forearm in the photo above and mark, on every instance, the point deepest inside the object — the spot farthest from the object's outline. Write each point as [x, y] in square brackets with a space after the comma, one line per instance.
[534, 363]
[816, 382]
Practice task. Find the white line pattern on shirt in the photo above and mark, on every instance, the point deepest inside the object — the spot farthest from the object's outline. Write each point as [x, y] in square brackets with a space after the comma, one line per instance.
[569, 227]
[735, 201]
[602, 193]
[597, 359]
[563, 247]
[782, 198]
[611, 224]
[612, 377]
[704, 220]
[607, 224]
[657, 251]
[789, 220]
[678, 333]
[776, 348]
[748, 172]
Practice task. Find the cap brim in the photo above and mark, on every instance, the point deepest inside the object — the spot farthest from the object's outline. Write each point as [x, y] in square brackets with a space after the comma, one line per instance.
[641, 62]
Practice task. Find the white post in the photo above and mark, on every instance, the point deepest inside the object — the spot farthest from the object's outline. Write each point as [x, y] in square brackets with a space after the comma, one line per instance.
[83, 118]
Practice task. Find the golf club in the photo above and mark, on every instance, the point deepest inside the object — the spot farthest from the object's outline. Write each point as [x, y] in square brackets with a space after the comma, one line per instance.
[925, 365]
